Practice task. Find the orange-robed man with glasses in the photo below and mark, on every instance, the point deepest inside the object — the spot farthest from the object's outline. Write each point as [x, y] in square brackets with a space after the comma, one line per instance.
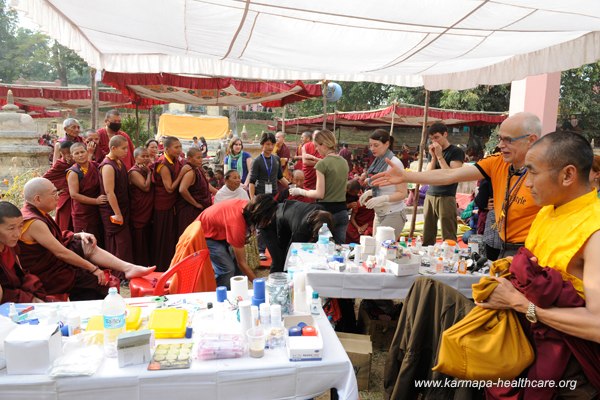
[513, 204]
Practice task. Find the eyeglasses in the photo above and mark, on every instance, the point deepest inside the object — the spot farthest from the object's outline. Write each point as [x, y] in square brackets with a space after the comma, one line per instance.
[510, 140]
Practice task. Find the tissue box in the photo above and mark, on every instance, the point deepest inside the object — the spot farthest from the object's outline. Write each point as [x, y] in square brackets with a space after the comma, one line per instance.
[134, 348]
[31, 349]
[403, 266]
[367, 241]
[304, 348]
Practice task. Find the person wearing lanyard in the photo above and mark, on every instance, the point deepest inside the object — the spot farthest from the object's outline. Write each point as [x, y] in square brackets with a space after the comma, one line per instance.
[513, 204]
[266, 169]
[264, 175]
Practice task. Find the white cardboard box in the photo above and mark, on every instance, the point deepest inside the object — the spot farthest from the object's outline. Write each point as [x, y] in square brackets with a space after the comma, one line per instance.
[31, 349]
[134, 347]
[304, 348]
[367, 241]
[404, 266]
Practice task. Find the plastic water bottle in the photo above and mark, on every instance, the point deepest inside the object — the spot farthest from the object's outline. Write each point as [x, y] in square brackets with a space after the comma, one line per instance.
[293, 263]
[418, 243]
[324, 240]
[403, 242]
[113, 311]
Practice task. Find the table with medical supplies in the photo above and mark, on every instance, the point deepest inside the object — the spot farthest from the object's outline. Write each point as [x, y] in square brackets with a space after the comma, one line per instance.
[272, 377]
[376, 285]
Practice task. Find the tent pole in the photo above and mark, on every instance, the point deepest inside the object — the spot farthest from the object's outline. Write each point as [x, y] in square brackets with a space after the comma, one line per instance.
[324, 104]
[393, 115]
[334, 121]
[421, 146]
[94, 108]
[283, 119]
[137, 125]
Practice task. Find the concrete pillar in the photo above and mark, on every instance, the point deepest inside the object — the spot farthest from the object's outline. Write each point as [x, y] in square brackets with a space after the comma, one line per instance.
[539, 95]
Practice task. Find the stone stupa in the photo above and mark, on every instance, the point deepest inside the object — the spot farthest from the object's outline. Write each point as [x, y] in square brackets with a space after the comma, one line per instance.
[19, 147]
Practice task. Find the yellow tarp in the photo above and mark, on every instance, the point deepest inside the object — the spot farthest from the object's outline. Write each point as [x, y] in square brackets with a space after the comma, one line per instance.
[186, 126]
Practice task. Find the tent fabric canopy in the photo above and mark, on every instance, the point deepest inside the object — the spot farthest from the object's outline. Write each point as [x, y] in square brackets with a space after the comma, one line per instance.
[151, 89]
[61, 97]
[440, 44]
[403, 115]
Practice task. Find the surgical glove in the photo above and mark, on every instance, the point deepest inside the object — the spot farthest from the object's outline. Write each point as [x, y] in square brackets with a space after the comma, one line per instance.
[377, 201]
[363, 198]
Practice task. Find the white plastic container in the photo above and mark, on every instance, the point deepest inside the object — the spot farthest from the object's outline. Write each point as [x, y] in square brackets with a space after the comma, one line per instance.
[113, 311]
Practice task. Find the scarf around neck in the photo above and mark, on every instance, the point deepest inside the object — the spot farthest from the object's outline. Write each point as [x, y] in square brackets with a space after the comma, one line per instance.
[238, 162]
[379, 165]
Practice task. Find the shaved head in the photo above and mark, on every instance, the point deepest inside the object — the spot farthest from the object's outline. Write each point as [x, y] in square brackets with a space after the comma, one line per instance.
[117, 141]
[35, 187]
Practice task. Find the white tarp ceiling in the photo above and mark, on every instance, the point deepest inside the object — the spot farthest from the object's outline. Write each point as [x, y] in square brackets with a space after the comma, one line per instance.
[443, 44]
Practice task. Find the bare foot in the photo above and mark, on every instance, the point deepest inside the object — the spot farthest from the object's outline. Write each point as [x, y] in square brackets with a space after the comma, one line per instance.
[136, 271]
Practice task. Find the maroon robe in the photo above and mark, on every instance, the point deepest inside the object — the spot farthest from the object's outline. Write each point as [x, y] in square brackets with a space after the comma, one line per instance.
[102, 148]
[117, 238]
[57, 276]
[86, 217]
[164, 233]
[57, 174]
[141, 218]
[200, 191]
[17, 284]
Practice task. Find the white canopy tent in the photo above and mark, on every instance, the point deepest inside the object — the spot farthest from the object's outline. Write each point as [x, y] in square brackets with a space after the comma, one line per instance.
[441, 44]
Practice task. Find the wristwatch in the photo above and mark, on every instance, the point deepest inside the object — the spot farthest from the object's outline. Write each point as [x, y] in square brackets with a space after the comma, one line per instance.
[531, 315]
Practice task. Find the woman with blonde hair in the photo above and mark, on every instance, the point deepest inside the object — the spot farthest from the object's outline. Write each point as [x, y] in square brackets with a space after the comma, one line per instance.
[239, 160]
[332, 175]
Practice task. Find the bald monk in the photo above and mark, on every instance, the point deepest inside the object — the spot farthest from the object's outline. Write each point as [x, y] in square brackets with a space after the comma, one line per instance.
[168, 172]
[112, 128]
[114, 183]
[141, 196]
[195, 191]
[19, 285]
[57, 174]
[65, 262]
[83, 179]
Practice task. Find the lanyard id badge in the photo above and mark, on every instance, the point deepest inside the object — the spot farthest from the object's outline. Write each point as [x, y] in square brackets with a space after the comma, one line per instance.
[268, 188]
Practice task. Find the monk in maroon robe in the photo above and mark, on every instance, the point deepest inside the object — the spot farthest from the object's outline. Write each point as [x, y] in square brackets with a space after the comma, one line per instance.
[114, 183]
[194, 190]
[83, 179]
[17, 285]
[65, 262]
[112, 128]
[57, 174]
[167, 175]
[141, 195]
[72, 130]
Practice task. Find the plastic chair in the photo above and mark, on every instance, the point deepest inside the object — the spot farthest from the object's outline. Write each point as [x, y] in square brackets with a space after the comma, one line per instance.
[188, 273]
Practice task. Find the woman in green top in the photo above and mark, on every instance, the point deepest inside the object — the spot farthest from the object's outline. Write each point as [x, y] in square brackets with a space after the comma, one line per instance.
[332, 176]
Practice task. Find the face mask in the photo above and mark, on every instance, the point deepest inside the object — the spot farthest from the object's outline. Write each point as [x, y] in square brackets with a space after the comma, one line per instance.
[114, 126]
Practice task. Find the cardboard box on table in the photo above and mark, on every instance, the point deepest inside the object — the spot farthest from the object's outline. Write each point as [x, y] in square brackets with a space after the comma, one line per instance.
[359, 350]
[303, 348]
[31, 349]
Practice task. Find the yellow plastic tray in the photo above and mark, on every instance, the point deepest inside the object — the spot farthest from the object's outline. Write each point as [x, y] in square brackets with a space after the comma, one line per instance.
[168, 323]
[133, 320]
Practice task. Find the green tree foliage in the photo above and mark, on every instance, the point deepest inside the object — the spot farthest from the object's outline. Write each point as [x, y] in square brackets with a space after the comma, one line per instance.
[580, 95]
[33, 56]
[8, 29]
[481, 98]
